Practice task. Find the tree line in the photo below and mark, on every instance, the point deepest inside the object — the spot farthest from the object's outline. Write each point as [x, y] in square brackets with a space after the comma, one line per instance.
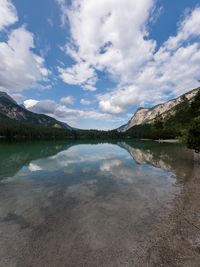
[184, 123]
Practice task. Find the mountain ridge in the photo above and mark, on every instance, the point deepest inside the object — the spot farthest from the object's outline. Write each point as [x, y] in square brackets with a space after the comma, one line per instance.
[149, 115]
[11, 110]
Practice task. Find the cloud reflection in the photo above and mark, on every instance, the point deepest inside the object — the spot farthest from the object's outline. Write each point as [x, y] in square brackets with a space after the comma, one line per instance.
[86, 197]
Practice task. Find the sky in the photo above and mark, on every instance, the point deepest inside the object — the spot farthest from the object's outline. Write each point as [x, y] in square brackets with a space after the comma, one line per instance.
[92, 63]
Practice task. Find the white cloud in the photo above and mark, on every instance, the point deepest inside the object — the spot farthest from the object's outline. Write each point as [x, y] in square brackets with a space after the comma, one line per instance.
[116, 101]
[144, 73]
[85, 102]
[173, 70]
[8, 14]
[62, 5]
[20, 67]
[121, 28]
[68, 115]
[80, 74]
[68, 100]
[188, 28]
[46, 106]
[29, 103]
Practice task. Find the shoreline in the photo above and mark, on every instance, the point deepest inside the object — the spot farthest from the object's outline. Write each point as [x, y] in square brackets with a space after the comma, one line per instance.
[162, 140]
[177, 240]
[168, 141]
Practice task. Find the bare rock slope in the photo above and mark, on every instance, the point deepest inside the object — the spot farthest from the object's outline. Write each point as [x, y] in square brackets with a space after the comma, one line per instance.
[148, 115]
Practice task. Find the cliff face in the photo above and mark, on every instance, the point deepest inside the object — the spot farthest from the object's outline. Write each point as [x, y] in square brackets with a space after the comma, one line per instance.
[148, 115]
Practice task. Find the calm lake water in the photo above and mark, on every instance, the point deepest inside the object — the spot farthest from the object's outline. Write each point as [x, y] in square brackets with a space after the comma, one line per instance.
[71, 204]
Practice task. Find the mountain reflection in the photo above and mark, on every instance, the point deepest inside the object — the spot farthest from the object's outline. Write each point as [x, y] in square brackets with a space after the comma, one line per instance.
[13, 156]
[53, 156]
[171, 157]
[71, 200]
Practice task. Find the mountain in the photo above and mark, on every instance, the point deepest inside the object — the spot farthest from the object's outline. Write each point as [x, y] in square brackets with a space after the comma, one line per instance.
[9, 109]
[4, 95]
[149, 115]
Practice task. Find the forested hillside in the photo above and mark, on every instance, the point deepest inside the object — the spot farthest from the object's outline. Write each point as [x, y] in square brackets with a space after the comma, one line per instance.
[184, 124]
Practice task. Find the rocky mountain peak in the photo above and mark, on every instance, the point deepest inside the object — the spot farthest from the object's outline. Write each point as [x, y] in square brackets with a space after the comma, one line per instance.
[148, 115]
[6, 96]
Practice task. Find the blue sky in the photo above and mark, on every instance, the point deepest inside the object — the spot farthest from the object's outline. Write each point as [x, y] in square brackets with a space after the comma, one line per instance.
[93, 63]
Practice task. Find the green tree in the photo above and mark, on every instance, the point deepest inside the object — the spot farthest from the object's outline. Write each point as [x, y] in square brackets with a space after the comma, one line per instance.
[195, 105]
[193, 139]
[158, 124]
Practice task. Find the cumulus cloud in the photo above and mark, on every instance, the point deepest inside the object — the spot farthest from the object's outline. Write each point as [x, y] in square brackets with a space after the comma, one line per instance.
[68, 100]
[144, 73]
[20, 67]
[173, 70]
[116, 101]
[8, 14]
[80, 74]
[66, 114]
[121, 28]
[189, 27]
[42, 106]
[29, 103]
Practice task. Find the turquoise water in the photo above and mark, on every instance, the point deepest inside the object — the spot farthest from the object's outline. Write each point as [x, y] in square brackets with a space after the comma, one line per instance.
[77, 203]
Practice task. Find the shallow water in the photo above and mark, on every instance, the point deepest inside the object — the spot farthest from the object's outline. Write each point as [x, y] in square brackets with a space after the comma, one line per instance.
[71, 204]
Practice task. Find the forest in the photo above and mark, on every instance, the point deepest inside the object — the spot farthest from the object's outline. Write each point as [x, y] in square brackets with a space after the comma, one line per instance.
[184, 124]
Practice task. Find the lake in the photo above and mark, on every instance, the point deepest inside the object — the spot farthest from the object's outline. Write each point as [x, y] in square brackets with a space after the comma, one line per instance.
[86, 204]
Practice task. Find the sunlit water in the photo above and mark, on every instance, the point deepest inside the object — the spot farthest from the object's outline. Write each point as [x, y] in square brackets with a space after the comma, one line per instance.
[70, 204]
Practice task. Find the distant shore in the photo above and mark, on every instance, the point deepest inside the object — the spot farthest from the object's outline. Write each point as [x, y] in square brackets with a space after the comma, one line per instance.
[168, 141]
[163, 140]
